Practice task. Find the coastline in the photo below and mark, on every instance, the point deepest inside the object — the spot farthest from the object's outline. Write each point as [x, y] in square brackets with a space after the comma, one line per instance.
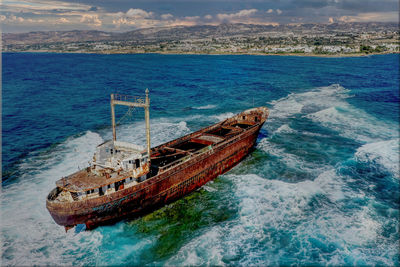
[123, 52]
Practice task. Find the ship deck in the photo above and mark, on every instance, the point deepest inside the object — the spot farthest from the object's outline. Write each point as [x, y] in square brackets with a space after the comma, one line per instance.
[84, 180]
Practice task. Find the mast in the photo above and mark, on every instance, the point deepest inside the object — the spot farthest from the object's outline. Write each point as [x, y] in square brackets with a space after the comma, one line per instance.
[113, 118]
[147, 117]
[132, 101]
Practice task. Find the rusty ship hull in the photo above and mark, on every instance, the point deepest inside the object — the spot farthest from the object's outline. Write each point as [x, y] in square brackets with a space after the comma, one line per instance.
[170, 182]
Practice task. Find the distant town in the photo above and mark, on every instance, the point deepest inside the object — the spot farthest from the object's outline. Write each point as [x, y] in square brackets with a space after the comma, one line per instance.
[346, 39]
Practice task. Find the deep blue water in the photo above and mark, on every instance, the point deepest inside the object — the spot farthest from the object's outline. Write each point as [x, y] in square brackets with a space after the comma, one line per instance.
[322, 186]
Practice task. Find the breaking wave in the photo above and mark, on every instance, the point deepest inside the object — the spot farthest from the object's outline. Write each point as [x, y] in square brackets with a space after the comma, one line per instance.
[45, 245]
[285, 129]
[384, 154]
[352, 123]
[327, 106]
[222, 116]
[206, 107]
[291, 161]
[314, 100]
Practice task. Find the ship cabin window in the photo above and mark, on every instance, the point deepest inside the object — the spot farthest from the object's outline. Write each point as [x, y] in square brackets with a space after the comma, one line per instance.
[137, 163]
[108, 186]
[88, 192]
[92, 191]
[244, 117]
[256, 119]
[101, 191]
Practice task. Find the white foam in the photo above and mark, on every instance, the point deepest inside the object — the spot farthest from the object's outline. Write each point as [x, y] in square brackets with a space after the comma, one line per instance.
[161, 131]
[383, 153]
[285, 129]
[285, 107]
[328, 106]
[206, 107]
[222, 116]
[276, 204]
[269, 210]
[27, 227]
[262, 204]
[334, 187]
[289, 159]
[204, 250]
[353, 123]
[297, 103]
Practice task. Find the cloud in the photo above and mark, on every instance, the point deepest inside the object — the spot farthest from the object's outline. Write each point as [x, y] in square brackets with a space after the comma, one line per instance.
[192, 18]
[92, 20]
[270, 11]
[62, 20]
[138, 13]
[182, 22]
[42, 7]
[331, 20]
[245, 16]
[208, 17]
[12, 19]
[371, 17]
[167, 16]
[137, 17]
[19, 20]
[241, 14]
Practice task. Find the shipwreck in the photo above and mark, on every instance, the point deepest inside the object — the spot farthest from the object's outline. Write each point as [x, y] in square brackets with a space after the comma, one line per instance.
[126, 180]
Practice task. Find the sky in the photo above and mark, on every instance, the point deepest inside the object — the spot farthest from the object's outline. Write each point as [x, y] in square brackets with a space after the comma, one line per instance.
[126, 15]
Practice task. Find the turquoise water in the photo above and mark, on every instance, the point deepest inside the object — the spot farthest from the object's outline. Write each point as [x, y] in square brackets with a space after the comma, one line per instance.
[322, 186]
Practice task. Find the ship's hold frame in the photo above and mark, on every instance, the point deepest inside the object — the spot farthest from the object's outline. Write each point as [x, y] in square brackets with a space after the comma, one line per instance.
[133, 180]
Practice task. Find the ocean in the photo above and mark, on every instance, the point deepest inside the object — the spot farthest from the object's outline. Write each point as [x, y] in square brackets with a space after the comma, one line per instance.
[321, 187]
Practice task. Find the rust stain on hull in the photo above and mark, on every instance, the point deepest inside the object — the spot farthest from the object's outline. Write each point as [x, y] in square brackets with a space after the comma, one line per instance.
[165, 187]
